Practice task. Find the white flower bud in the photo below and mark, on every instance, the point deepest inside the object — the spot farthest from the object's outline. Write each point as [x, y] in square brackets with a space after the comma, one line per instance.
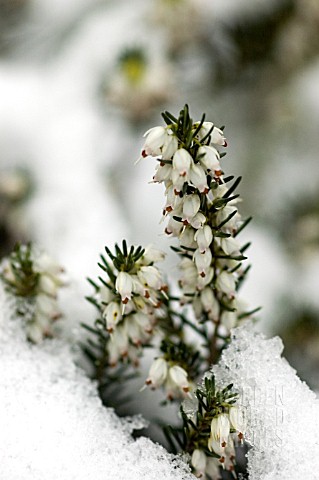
[220, 428]
[35, 333]
[203, 261]
[230, 245]
[179, 377]
[112, 315]
[204, 237]
[48, 285]
[150, 277]
[124, 286]
[212, 467]
[152, 254]
[47, 305]
[229, 319]
[186, 238]
[45, 264]
[170, 147]
[155, 138]
[198, 178]
[209, 158]
[133, 330]
[226, 283]
[158, 373]
[173, 227]
[199, 461]
[182, 162]
[217, 137]
[210, 303]
[237, 419]
[190, 206]
[198, 220]
[143, 321]
[120, 339]
[163, 173]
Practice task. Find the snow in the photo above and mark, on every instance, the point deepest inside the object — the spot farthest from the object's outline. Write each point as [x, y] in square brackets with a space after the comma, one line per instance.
[282, 412]
[53, 425]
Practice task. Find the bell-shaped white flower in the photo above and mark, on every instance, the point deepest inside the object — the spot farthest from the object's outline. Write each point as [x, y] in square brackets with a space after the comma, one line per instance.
[47, 305]
[158, 373]
[216, 134]
[120, 339]
[199, 461]
[155, 138]
[229, 319]
[212, 467]
[204, 238]
[202, 282]
[182, 162]
[152, 255]
[48, 285]
[150, 277]
[170, 147]
[178, 181]
[190, 206]
[45, 264]
[198, 220]
[237, 419]
[198, 178]
[143, 321]
[173, 227]
[186, 238]
[202, 261]
[112, 315]
[124, 286]
[220, 428]
[209, 158]
[163, 172]
[229, 245]
[226, 283]
[178, 377]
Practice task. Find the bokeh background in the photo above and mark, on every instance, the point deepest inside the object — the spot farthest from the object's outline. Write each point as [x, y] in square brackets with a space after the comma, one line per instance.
[82, 80]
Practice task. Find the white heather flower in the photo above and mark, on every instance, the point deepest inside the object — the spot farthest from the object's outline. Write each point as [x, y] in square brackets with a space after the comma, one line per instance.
[198, 220]
[204, 237]
[186, 238]
[220, 428]
[229, 245]
[209, 158]
[212, 468]
[163, 172]
[106, 294]
[229, 319]
[173, 201]
[237, 419]
[182, 162]
[35, 332]
[224, 213]
[198, 178]
[178, 181]
[210, 303]
[199, 461]
[112, 315]
[120, 339]
[173, 227]
[216, 134]
[48, 285]
[178, 376]
[133, 330]
[202, 261]
[47, 305]
[150, 277]
[155, 139]
[124, 286]
[197, 307]
[226, 283]
[152, 254]
[170, 147]
[202, 282]
[143, 321]
[190, 206]
[158, 373]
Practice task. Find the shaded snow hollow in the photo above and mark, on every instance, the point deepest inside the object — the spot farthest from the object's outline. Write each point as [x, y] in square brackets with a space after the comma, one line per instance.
[282, 412]
[53, 425]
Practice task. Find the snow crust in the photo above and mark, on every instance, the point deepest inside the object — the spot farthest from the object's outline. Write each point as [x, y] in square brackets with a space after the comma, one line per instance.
[53, 425]
[282, 412]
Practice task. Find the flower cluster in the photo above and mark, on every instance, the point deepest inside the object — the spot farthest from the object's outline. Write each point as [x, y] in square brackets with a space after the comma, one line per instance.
[33, 280]
[212, 426]
[129, 300]
[176, 369]
[201, 212]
